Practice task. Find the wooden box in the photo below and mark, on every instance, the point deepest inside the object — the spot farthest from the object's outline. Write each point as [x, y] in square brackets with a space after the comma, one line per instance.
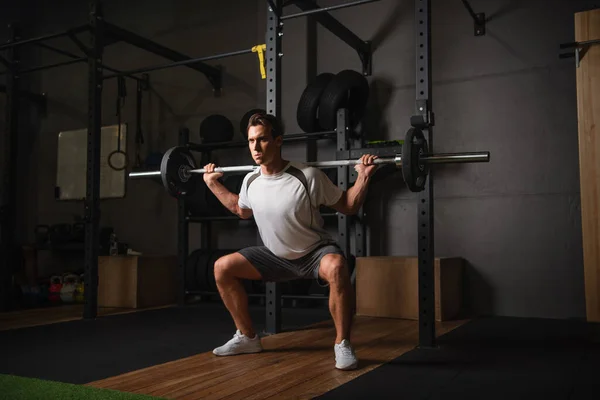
[137, 281]
[388, 287]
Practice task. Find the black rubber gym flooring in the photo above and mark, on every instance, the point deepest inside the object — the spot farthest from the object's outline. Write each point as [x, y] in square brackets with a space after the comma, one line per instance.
[488, 358]
[83, 351]
[492, 358]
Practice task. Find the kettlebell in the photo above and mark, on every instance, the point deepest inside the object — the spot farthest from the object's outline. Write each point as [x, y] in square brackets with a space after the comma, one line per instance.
[67, 292]
[55, 288]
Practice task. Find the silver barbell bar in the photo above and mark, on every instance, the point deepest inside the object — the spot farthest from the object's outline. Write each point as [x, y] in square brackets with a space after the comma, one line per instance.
[441, 158]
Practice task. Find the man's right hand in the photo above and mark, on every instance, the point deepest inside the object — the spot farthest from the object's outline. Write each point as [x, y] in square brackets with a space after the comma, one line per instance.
[210, 175]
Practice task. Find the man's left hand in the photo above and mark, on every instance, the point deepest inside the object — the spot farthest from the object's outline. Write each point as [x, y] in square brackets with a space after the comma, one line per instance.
[366, 167]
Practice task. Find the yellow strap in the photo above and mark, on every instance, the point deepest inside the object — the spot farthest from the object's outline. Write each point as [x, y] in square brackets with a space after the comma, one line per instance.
[261, 48]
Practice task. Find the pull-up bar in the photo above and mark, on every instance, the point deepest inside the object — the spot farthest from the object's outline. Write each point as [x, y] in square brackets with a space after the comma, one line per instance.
[180, 63]
[325, 9]
[75, 59]
[45, 37]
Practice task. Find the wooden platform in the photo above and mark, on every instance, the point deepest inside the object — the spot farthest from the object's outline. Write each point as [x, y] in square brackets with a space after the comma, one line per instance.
[52, 315]
[294, 365]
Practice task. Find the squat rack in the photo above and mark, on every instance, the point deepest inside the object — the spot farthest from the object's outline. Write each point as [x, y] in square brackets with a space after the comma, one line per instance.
[423, 119]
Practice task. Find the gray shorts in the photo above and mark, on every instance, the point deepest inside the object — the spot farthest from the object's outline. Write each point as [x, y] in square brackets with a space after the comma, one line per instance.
[276, 269]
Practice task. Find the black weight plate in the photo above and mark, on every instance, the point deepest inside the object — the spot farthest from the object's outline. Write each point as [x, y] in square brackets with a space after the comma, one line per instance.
[174, 172]
[348, 89]
[233, 183]
[201, 267]
[203, 202]
[215, 207]
[307, 113]
[414, 172]
[195, 203]
[191, 283]
[216, 128]
[245, 119]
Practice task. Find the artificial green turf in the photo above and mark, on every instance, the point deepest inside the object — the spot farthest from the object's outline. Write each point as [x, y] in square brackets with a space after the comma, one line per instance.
[18, 388]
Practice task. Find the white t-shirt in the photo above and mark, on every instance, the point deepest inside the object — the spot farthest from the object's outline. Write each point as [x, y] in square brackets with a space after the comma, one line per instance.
[289, 225]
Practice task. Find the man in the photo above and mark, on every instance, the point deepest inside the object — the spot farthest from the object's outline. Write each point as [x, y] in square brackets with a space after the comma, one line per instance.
[284, 197]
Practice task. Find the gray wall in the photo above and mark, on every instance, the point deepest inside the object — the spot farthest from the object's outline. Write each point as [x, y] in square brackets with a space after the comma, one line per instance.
[516, 220]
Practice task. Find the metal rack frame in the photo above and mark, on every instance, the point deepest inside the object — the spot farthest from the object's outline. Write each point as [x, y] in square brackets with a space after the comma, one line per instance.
[275, 23]
[8, 205]
[423, 118]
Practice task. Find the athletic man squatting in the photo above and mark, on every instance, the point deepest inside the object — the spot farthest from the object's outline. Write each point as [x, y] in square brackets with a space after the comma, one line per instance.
[284, 198]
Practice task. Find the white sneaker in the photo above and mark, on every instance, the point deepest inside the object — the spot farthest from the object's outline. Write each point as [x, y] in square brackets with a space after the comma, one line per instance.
[344, 356]
[240, 344]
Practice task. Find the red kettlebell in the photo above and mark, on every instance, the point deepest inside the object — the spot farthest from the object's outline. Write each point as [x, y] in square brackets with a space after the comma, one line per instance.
[55, 288]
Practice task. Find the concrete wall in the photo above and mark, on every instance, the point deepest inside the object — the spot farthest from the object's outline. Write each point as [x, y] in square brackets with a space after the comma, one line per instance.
[516, 220]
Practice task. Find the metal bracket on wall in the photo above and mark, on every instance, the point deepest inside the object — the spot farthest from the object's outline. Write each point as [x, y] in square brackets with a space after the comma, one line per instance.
[478, 19]
[424, 118]
[366, 58]
[580, 50]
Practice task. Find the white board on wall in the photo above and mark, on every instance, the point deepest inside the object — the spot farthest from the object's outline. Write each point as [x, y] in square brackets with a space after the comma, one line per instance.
[72, 163]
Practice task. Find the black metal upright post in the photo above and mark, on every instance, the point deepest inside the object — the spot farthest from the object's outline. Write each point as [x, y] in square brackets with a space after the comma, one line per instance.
[423, 119]
[343, 121]
[8, 205]
[183, 232]
[92, 198]
[360, 228]
[273, 106]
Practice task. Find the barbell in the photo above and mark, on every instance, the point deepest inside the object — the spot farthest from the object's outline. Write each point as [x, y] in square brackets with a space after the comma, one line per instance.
[178, 167]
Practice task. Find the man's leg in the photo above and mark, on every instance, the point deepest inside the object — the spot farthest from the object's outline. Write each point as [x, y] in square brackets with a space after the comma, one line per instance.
[334, 270]
[255, 263]
[229, 270]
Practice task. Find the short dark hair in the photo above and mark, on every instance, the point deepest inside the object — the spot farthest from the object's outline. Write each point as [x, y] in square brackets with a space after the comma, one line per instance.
[268, 121]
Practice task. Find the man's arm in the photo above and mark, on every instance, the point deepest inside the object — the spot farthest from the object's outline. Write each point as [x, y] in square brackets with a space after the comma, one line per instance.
[353, 198]
[228, 199]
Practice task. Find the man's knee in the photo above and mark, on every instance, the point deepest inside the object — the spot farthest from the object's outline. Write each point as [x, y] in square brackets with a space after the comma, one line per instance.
[333, 269]
[234, 266]
[224, 267]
